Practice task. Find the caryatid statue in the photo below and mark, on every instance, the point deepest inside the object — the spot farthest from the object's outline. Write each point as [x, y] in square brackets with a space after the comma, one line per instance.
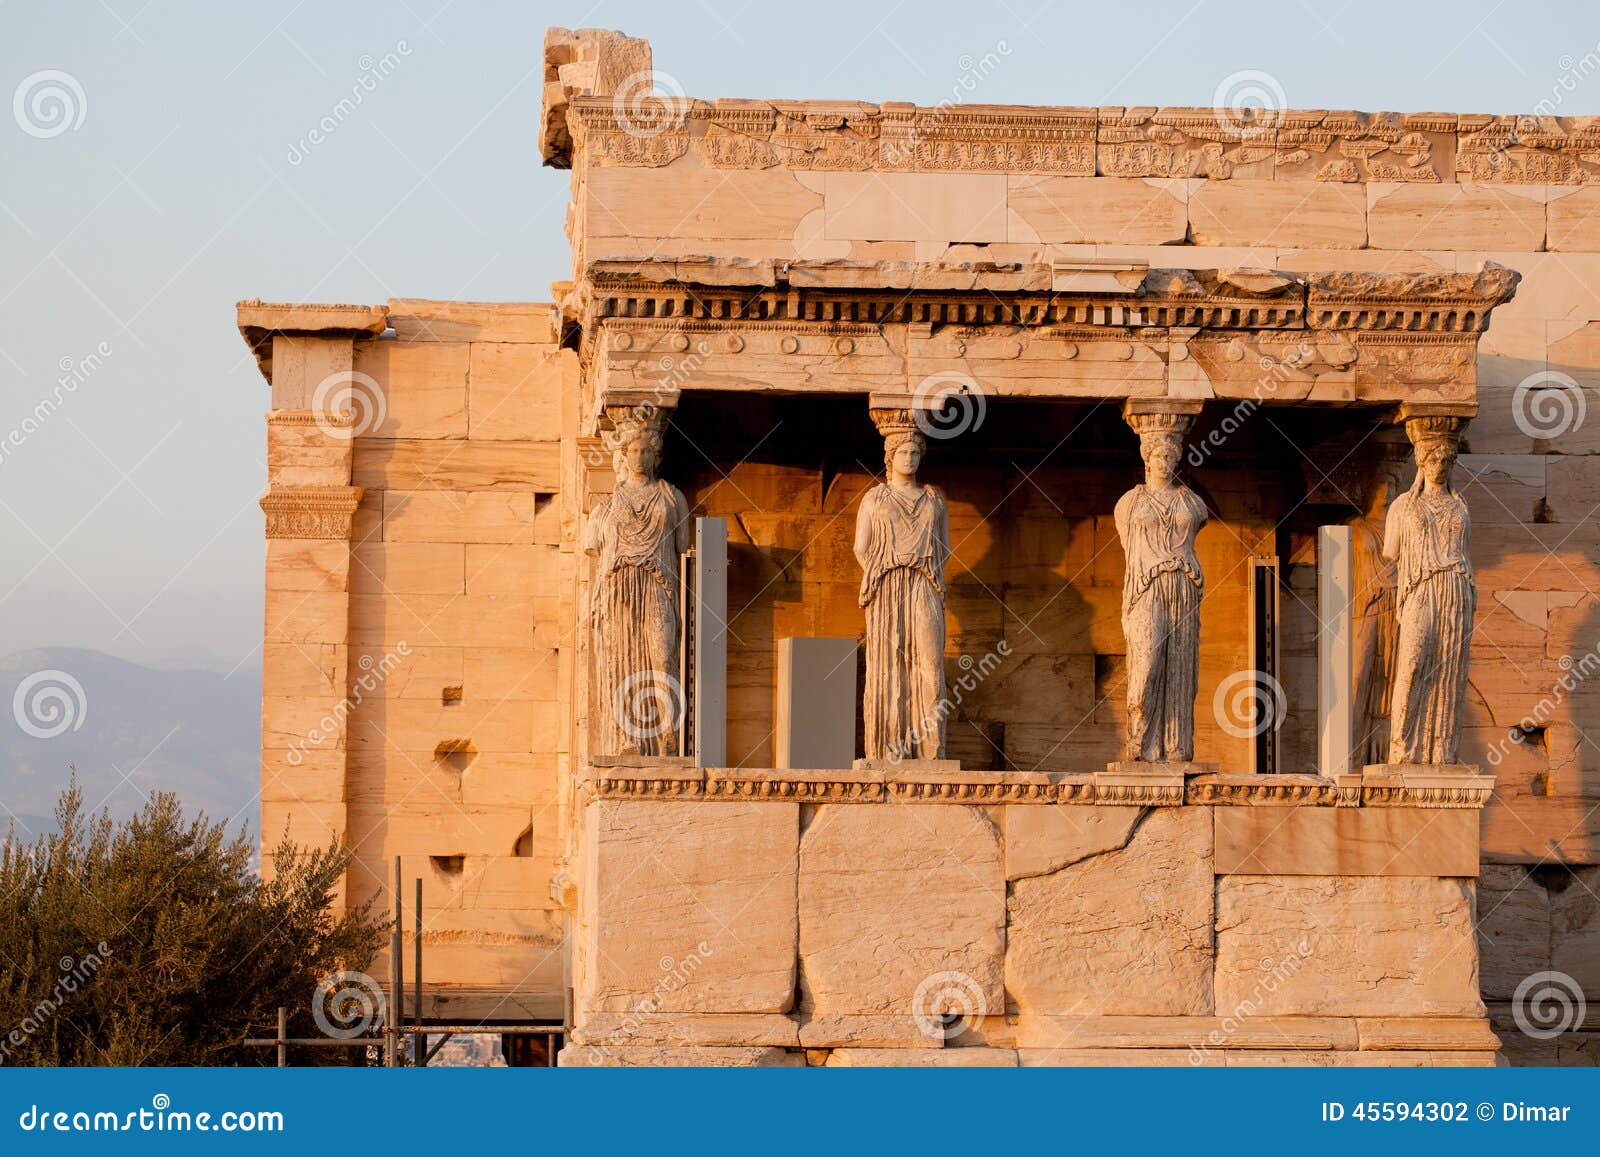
[1157, 522]
[1436, 596]
[903, 543]
[639, 533]
[1372, 607]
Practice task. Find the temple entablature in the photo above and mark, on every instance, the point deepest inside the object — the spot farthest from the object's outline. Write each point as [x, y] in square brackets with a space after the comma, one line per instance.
[649, 329]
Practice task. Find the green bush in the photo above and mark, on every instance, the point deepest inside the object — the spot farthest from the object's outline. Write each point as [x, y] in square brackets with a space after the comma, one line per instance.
[153, 941]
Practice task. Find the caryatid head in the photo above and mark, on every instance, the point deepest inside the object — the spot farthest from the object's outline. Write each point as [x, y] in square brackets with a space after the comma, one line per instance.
[1160, 445]
[903, 443]
[1435, 441]
[636, 447]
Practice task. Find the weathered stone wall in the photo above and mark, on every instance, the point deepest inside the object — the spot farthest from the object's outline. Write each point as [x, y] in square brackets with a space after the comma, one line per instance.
[919, 919]
[445, 622]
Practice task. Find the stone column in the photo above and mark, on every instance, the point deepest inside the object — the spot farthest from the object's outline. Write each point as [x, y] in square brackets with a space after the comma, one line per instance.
[636, 537]
[1427, 537]
[310, 508]
[902, 542]
[1157, 522]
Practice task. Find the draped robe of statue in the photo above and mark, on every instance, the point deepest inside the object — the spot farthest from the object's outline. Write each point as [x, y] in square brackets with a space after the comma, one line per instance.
[1373, 610]
[1161, 592]
[639, 533]
[1426, 533]
[902, 589]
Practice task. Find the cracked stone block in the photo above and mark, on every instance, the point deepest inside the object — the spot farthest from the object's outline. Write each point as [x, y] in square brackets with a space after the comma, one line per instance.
[1123, 932]
[690, 907]
[902, 911]
[1346, 946]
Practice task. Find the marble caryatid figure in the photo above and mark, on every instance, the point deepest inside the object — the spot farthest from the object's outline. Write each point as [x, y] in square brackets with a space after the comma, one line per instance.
[1157, 522]
[903, 542]
[1372, 611]
[1426, 535]
[638, 533]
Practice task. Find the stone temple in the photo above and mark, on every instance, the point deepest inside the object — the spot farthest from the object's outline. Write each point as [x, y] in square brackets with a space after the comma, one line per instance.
[970, 585]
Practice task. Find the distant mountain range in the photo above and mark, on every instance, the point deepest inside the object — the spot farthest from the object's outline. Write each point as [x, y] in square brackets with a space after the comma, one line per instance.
[128, 730]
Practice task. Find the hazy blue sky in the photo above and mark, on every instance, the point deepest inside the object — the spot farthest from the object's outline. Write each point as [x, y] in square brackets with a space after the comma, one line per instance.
[127, 518]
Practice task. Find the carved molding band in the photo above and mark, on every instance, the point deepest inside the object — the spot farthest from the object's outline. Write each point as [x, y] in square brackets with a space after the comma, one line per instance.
[705, 295]
[977, 787]
[311, 511]
[1307, 144]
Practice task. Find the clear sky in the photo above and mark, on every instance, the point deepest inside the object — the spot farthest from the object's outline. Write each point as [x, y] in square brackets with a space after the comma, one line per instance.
[182, 181]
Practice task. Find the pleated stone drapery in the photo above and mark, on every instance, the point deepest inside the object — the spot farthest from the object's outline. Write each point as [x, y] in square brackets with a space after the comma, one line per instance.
[638, 699]
[902, 589]
[1436, 598]
[1161, 592]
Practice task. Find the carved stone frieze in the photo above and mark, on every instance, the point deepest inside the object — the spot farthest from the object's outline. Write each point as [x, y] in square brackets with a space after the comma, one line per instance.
[984, 788]
[1354, 146]
[311, 511]
[619, 124]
